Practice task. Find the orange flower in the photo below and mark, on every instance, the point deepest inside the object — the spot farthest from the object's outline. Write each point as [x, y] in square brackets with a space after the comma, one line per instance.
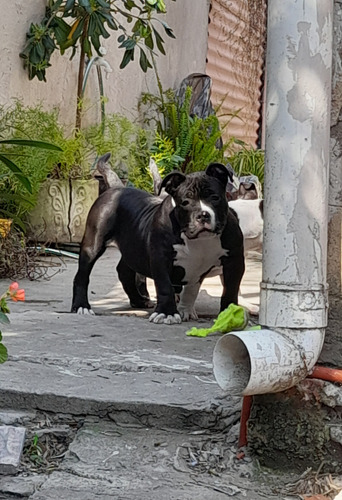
[15, 292]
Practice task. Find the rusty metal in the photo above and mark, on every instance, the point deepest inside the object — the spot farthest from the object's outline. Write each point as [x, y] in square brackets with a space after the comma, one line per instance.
[235, 59]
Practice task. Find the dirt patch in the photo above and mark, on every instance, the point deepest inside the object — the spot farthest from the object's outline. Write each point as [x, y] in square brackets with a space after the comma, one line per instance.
[47, 440]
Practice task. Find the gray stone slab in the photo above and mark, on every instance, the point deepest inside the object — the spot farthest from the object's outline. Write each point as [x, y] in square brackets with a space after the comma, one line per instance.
[114, 362]
[12, 417]
[107, 462]
[21, 486]
[11, 447]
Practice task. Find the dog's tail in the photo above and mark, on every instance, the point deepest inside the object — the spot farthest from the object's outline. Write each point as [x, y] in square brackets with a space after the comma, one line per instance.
[110, 178]
[157, 180]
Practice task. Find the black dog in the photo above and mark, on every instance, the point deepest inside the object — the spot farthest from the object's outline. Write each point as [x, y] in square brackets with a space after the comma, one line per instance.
[174, 240]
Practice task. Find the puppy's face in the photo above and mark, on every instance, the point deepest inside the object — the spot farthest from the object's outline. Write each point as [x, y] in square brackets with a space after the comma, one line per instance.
[200, 200]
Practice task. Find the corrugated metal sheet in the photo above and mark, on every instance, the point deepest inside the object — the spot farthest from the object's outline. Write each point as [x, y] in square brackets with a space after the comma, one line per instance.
[237, 30]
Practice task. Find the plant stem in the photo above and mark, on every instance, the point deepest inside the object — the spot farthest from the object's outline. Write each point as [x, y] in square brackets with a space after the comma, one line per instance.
[84, 35]
[160, 88]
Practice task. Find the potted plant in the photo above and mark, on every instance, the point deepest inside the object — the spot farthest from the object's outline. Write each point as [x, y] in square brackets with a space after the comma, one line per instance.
[43, 180]
[78, 25]
[48, 194]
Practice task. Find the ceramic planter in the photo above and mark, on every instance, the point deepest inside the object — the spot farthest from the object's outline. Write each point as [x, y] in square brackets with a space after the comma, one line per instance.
[62, 209]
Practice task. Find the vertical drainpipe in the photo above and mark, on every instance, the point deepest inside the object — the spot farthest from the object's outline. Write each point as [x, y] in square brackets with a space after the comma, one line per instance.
[293, 300]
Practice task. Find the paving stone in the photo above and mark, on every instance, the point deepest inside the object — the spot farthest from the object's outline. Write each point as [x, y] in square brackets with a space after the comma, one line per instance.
[12, 417]
[11, 447]
[20, 487]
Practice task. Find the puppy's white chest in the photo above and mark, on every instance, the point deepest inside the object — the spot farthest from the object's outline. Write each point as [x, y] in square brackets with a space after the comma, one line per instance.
[197, 256]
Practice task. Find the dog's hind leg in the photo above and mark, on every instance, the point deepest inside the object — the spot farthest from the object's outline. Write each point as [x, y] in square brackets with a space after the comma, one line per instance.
[140, 281]
[130, 280]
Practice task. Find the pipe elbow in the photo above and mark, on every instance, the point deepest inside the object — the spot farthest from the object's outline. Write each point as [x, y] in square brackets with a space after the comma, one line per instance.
[254, 362]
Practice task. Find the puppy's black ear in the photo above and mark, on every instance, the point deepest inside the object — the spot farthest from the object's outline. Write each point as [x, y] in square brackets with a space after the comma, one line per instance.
[219, 171]
[171, 182]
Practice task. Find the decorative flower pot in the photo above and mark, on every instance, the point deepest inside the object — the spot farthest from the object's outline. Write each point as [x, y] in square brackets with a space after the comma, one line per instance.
[61, 211]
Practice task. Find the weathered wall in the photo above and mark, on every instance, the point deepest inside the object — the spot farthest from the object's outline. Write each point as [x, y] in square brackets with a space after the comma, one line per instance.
[185, 55]
[332, 350]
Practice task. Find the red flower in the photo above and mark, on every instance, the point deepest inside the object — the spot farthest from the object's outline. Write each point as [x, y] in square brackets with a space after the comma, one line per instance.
[15, 292]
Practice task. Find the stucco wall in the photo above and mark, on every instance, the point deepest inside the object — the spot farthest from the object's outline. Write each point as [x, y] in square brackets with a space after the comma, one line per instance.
[185, 55]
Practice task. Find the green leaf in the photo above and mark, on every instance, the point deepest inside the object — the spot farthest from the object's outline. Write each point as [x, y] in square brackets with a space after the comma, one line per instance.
[33, 144]
[95, 40]
[121, 38]
[86, 5]
[3, 353]
[143, 61]
[40, 50]
[17, 172]
[149, 41]
[129, 4]
[49, 43]
[128, 56]
[104, 4]
[60, 24]
[69, 5]
[159, 41]
[34, 56]
[128, 44]
[87, 47]
[3, 305]
[168, 30]
[57, 4]
[78, 31]
[110, 20]
[15, 197]
[4, 319]
[100, 27]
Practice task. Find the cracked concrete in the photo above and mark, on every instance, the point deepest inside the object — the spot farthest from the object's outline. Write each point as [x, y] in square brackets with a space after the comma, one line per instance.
[138, 384]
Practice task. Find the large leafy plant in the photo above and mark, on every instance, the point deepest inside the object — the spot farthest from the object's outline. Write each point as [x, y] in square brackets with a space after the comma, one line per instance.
[23, 151]
[72, 23]
[183, 141]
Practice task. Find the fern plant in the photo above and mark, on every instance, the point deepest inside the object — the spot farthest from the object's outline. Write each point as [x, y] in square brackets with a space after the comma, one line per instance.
[185, 142]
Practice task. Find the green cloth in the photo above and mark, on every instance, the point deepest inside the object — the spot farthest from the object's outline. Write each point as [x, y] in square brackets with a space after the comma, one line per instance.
[233, 318]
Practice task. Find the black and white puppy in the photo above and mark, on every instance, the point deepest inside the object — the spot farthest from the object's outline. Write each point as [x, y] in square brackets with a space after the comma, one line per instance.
[175, 240]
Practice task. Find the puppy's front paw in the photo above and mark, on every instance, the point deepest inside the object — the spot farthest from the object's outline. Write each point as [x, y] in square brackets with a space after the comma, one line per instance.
[187, 313]
[166, 319]
[251, 308]
[85, 311]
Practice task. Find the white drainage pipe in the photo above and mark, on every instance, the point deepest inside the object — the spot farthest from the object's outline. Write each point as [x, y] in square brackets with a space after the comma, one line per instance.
[263, 361]
[293, 300]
